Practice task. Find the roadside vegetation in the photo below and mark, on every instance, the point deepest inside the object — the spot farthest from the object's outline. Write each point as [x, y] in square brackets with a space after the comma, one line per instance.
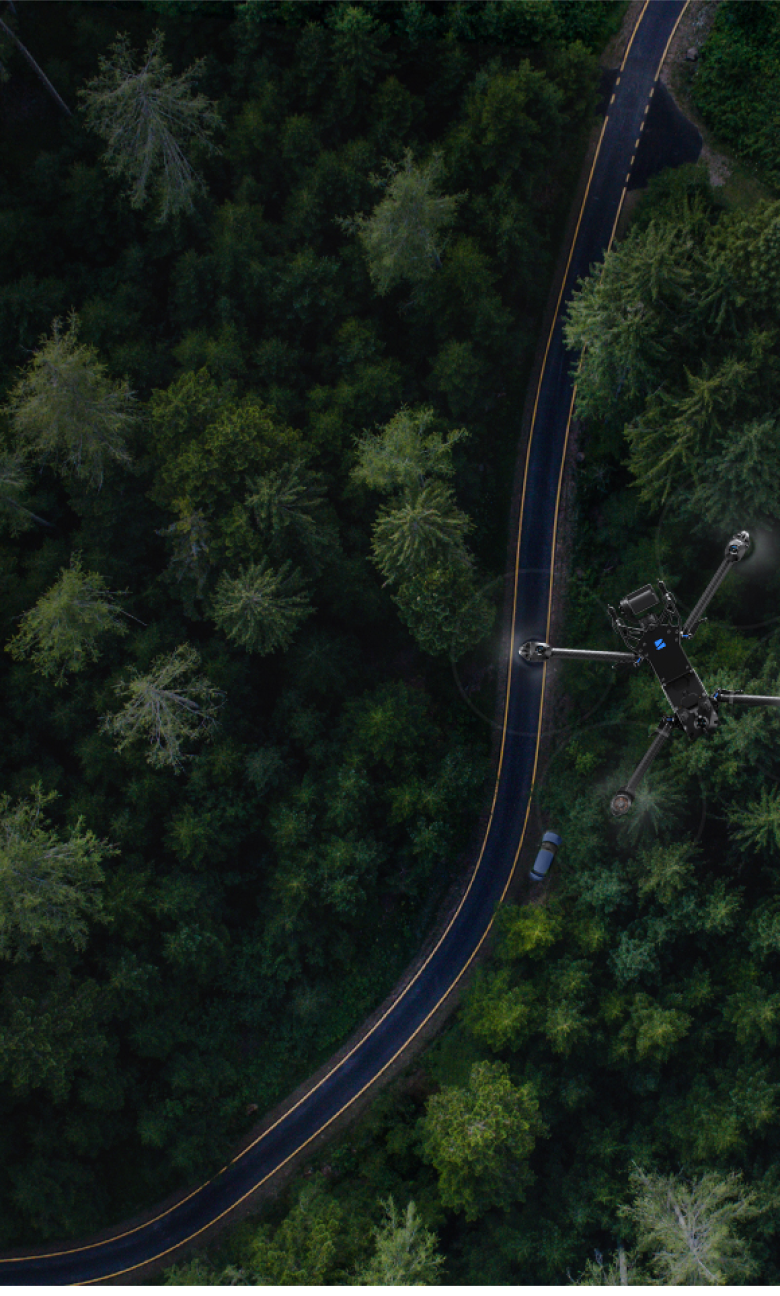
[604, 1108]
[256, 445]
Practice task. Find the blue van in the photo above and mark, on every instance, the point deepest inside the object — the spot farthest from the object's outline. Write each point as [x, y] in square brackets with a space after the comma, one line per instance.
[550, 843]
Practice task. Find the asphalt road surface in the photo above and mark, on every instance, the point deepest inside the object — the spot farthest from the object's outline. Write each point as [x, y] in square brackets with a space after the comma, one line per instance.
[120, 1256]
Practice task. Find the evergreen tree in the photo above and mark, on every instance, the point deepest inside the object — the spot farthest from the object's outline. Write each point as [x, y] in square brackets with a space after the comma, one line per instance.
[66, 407]
[49, 884]
[358, 55]
[146, 117]
[261, 609]
[400, 237]
[288, 506]
[426, 529]
[444, 610]
[479, 1139]
[757, 825]
[304, 1249]
[404, 453]
[405, 1252]
[59, 634]
[168, 706]
[689, 1228]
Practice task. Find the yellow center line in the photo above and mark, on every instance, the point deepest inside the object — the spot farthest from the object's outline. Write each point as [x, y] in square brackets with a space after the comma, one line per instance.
[118, 1236]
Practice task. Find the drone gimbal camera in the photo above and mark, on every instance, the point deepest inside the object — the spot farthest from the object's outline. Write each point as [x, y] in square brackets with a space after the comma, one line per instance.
[657, 639]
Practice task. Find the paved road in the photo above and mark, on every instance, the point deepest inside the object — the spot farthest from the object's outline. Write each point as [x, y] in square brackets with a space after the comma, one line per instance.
[120, 1256]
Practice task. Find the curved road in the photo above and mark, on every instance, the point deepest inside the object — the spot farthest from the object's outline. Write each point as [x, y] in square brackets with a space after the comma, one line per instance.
[120, 1256]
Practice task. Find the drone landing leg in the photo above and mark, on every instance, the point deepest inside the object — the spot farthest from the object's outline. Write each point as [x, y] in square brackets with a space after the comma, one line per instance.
[623, 799]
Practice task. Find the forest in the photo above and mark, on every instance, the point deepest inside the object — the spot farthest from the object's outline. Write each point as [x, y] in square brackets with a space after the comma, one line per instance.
[256, 452]
[603, 1110]
[257, 436]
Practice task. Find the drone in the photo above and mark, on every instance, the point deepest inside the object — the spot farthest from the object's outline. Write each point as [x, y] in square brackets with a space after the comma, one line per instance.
[657, 639]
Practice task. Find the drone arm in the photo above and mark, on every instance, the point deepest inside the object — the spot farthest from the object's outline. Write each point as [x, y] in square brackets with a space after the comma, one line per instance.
[535, 650]
[622, 800]
[736, 549]
[746, 699]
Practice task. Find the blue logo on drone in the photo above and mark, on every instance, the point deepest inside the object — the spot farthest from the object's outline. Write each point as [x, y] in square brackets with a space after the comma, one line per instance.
[659, 643]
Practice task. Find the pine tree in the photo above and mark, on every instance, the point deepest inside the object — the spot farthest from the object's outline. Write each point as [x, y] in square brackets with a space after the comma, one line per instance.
[403, 454]
[59, 633]
[445, 611]
[146, 117]
[288, 506]
[261, 609]
[425, 529]
[756, 826]
[168, 706]
[65, 407]
[400, 237]
[405, 1252]
[688, 1228]
[49, 884]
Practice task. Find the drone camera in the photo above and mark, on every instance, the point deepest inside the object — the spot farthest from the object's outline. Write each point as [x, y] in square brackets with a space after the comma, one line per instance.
[738, 545]
[639, 601]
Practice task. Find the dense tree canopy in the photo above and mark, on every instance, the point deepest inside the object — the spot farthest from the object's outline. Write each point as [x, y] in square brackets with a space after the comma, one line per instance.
[219, 436]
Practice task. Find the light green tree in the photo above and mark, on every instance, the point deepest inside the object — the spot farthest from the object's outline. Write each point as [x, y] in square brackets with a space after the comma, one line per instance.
[199, 1273]
[404, 452]
[261, 609]
[405, 1252]
[480, 1138]
[49, 883]
[168, 706]
[688, 1228]
[65, 407]
[425, 529]
[304, 1249]
[59, 633]
[401, 237]
[147, 117]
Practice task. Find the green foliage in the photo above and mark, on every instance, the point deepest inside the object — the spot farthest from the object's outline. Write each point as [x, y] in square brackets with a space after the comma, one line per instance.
[267, 898]
[405, 1254]
[400, 237]
[738, 80]
[261, 609]
[59, 634]
[50, 884]
[676, 337]
[426, 530]
[167, 707]
[303, 1250]
[66, 408]
[403, 454]
[146, 117]
[689, 1228]
[444, 611]
[479, 1139]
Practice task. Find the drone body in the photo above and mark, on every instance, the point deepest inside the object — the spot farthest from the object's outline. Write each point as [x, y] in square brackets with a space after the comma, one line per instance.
[658, 639]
